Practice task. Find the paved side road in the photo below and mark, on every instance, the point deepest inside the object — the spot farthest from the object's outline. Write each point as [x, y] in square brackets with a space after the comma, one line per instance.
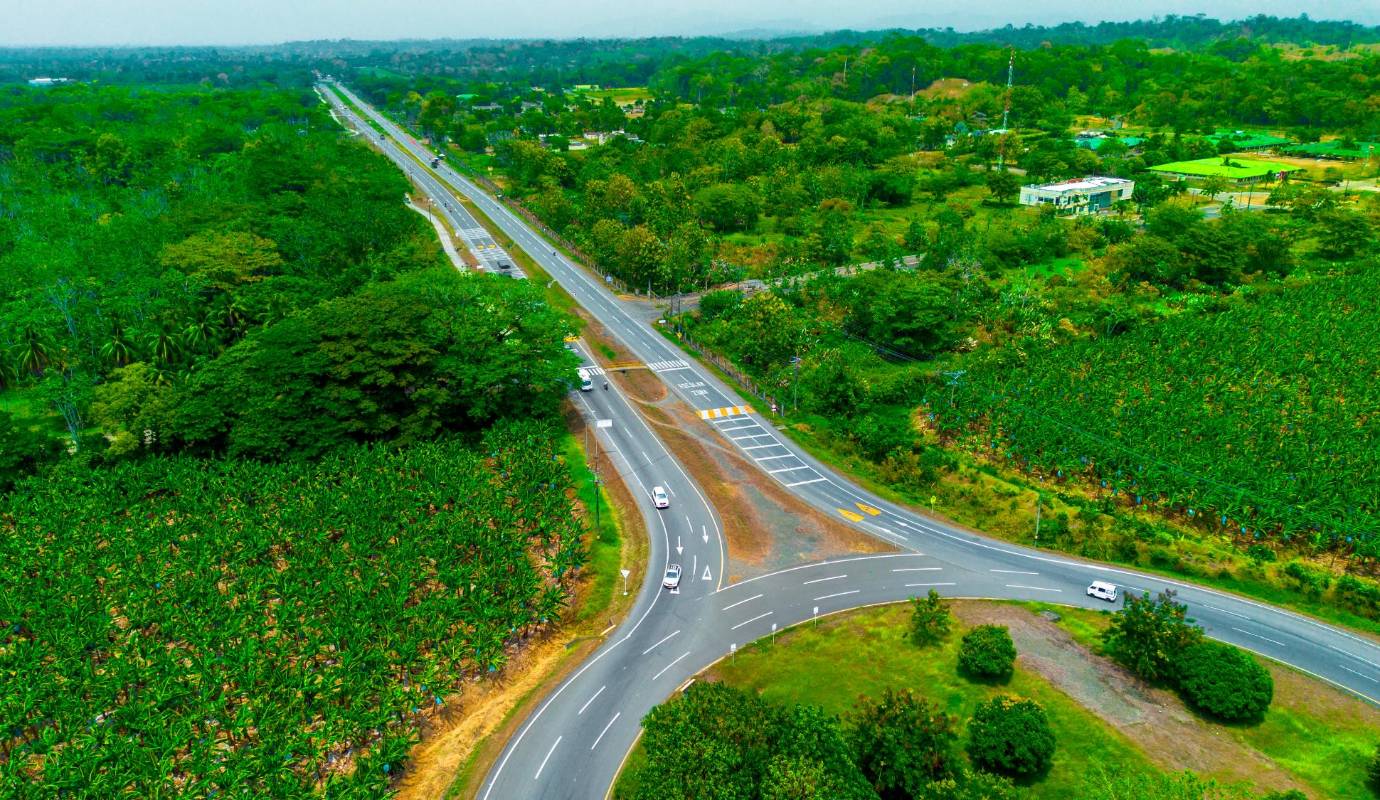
[936, 555]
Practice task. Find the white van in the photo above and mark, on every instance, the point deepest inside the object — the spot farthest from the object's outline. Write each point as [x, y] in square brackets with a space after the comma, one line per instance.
[1102, 591]
[586, 385]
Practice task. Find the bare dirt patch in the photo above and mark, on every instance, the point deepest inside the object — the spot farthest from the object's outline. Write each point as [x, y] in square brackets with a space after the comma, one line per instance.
[1155, 719]
[766, 528]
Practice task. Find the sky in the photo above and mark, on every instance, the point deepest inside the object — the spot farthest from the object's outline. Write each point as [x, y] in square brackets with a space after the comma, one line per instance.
[200, 22]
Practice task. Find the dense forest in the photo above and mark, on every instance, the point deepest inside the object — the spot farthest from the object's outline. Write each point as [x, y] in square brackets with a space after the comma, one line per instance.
[784, 165]
[228, 348]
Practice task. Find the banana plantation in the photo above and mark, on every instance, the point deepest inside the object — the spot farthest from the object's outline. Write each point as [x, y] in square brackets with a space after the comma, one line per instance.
[1259, 422]
[174, 626]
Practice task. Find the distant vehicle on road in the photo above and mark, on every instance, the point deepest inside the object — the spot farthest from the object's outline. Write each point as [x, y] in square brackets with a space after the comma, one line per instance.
[672, 577]
[505, 266]
[586, 385]
[1102, 591]
[660, 498]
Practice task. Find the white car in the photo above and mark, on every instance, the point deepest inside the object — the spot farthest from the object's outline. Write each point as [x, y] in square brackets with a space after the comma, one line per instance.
[1102, 591]
[660, 498]
[672, 578]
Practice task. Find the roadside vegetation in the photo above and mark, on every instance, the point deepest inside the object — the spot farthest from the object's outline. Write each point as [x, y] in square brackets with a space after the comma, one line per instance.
[1057, 727]
[303, 480]
[1169, 390]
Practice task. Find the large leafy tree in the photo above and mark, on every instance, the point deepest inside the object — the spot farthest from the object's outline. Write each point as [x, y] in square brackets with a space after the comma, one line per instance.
[902, 743]
[402, 360]
[1149, 636]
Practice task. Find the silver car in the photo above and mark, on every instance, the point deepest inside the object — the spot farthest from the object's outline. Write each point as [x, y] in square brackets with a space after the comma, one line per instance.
[672, 578]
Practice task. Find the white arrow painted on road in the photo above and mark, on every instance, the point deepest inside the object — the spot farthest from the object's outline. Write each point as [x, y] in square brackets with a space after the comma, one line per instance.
[706, 534]
[679, 549]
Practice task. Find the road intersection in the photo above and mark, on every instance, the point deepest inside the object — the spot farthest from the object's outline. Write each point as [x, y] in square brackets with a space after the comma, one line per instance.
[574, 743]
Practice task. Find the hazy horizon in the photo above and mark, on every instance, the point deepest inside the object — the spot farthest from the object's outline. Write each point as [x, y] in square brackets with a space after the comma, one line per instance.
[79, 23]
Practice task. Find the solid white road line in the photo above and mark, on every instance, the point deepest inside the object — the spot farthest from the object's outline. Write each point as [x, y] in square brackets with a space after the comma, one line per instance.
[590, 700]
[672, 664]
[740, 602]
[788, 469]
[1013, 572]
[605, 730]
[548, 758]
[760, 446]
[802, 483]
[660, 643]
[769, 458]
[822, 580]
[911, 585]
[749, 621]
[1032, 588]
[1258, 636]
[837, 594]
[918, 569]
[749, 436]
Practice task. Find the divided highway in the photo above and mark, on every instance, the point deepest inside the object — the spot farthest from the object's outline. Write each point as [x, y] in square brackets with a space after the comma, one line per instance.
[574, 743]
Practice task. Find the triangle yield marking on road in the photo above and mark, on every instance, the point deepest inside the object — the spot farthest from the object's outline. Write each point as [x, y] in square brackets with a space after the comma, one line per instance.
[706, 576]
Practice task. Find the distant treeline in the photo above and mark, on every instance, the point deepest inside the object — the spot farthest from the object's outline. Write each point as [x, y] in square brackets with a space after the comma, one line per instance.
[628, 61]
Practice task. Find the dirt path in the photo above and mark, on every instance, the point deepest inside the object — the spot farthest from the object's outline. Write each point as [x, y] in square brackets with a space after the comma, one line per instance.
[1155, 719]
[766, 528]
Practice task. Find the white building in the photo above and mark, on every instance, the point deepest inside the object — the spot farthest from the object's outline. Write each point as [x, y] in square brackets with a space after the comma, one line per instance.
[48, 81]
[1091, 195]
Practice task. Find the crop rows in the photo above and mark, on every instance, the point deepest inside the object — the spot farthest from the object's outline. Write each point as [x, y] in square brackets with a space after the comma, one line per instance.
[180, 627]
[1264, 419]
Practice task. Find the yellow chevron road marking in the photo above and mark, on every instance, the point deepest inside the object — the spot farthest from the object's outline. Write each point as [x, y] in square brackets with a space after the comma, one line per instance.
[851, 515]
[726, 411]
[866, 509]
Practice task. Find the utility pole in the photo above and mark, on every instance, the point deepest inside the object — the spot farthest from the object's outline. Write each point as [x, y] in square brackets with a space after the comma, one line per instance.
[795, 384]
[1006, 109]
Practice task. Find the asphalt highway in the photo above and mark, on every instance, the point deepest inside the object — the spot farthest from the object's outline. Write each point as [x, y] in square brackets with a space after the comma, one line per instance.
[574, 743]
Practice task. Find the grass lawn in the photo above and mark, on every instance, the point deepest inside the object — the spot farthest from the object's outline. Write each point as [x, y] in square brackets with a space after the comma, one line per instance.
[605, 544]
[1242, 167]
[621, 96]
[1318, 735]
[1066, 267]
[861, 653]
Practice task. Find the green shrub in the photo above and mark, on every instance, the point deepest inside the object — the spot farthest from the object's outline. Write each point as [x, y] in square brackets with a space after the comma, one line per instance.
[1312, 582]
[987, 653]
[1147, 634]
[1011, 736]
[1373, 772]
[1260, 553]
[930, 619]
[1359, 595]
[1225, 681]
[902, 742]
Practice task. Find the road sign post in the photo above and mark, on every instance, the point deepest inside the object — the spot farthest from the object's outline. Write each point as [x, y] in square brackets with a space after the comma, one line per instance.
[624, 573]
[814, 617]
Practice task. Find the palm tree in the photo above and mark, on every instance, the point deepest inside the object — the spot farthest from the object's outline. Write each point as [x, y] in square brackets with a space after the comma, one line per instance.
[32, 350]
[163, 347]
[119, 346]
[202, 333]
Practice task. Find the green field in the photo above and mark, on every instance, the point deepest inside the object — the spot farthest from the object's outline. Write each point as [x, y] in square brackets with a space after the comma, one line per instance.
[1280, 387]
[823, 665]
[1335, 148]
[621, 96]
[1240, 168]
